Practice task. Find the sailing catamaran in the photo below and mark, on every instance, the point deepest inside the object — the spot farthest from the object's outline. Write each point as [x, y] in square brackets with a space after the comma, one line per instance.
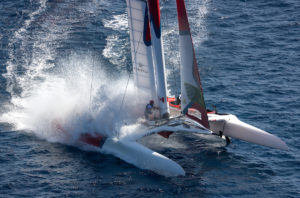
[191, 116]
[149, 75]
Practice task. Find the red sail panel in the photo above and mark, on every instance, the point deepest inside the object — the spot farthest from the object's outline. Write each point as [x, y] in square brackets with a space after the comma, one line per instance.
[182, 16]
[147, 34]
[155, 15]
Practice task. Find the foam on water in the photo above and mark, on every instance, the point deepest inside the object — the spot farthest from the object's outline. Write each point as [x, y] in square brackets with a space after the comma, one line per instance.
[116, 44]
[117, 22]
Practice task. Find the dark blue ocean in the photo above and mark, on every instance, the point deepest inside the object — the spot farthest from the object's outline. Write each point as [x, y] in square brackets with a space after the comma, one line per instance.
[57, 57]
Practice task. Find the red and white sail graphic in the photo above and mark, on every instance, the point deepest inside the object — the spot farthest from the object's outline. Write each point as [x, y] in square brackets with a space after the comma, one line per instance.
[192, 100]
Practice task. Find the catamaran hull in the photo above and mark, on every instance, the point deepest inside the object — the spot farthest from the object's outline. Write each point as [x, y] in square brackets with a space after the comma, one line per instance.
[229, 125]
[142, 157]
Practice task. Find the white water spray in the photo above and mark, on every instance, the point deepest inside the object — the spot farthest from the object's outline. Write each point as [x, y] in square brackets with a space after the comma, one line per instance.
[65, 97]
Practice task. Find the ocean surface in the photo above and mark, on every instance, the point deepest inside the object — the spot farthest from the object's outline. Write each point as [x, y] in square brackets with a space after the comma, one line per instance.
[70, 61]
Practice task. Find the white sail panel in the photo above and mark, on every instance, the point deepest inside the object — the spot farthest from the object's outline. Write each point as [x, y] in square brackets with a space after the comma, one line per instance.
[140, 40]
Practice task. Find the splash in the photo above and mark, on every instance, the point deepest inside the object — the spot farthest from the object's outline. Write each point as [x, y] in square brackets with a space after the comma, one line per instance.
[68, 99]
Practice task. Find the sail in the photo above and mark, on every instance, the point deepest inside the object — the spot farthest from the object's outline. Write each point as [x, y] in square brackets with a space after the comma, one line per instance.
[141, 52]
[158, 57]
[192, 100]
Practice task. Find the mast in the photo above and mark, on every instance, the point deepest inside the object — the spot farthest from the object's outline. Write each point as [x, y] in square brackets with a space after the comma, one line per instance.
[158, 55]
[191, 88]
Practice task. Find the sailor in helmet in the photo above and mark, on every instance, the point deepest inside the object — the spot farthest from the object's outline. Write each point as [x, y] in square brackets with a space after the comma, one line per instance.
[149, 110]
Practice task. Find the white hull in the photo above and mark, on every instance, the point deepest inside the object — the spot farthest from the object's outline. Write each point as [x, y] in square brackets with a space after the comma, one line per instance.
[142, 157]
[229, 125]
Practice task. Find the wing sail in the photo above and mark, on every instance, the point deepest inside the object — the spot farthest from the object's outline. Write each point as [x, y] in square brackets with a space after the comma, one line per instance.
[141, 52]
[191, 88]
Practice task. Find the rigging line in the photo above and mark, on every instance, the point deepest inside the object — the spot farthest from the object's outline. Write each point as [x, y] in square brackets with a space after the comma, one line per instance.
[125, 92]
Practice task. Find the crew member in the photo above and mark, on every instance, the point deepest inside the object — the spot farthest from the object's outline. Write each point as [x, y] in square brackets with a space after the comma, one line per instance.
[149, 110]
